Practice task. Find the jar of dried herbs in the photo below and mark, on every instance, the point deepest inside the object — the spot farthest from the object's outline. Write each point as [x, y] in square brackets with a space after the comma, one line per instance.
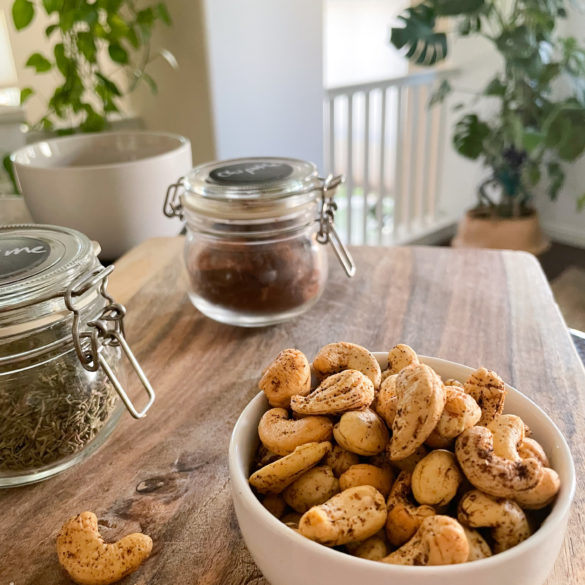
[255, 229]
[62, 346]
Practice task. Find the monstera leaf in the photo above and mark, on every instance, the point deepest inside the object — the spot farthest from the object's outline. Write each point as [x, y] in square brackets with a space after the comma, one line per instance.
[470, 132]
[424, 45]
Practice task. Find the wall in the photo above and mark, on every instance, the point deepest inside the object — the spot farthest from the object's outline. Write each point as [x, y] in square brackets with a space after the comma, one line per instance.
[266, 77]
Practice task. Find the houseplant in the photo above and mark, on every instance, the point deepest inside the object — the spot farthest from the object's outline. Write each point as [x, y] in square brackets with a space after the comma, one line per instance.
[90, 43]
[539, 95]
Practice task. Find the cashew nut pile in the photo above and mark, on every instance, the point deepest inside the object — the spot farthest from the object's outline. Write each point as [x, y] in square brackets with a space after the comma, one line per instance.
[397, 466]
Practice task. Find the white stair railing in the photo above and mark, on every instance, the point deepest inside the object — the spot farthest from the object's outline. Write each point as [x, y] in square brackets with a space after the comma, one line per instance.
[388, 143]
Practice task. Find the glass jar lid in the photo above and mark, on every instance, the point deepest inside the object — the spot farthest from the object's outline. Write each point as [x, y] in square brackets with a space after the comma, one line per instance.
[36, 261]
[252, 187]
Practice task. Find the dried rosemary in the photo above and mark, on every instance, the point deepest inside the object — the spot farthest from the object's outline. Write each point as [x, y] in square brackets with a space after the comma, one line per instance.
[51, 412]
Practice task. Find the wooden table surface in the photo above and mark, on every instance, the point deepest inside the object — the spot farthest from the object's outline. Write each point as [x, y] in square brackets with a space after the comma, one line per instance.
[167, 475]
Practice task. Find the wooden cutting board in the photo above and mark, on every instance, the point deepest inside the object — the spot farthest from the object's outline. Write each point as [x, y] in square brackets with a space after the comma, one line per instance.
[167, 474]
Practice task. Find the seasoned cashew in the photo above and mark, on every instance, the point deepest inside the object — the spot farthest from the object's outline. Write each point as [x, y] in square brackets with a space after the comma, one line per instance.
[387, 399]
[288, 375]
[409, 463]
[454, 382]
[355, 514]
[311, 489]
[336, 357]
[90, 561]
[362, 432]
[404, 517]
[366, 474]
[436, 478]
[440, 540]
[276, 476]
[529, 448]
[340, 460]
[478, 547]
[348, 390]
[421, 399]
[400, 356]
[461, 412]
[274, 504]
[282, 435]
[508, 434]
[373, 548]
[489, 391]
[264, 456]
[505, 517]
[492, 474]
[292, 520]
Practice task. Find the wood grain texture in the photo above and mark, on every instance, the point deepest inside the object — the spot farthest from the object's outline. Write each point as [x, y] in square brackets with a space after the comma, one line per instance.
[167, 475]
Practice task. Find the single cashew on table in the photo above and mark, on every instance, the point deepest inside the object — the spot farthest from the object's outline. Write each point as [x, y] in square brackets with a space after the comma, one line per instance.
[390, 463]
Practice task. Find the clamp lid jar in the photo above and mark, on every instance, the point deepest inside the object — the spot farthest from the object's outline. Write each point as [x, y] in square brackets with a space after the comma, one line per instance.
[62, 350]
[255, 233]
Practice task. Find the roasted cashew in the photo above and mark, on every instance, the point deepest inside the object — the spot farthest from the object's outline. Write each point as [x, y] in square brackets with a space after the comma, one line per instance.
[489, 391]
[409, 463]
[404, 517]
[421, 399]
[401, 356]
[505, 517]
[373, 548]
[387, 399]
[282, 435]
[340, 460]
[436, 478]
[365, 474]
[508, 433]
[355, 514]
[362, 432]
[454, 382]
[492, 474]
[311, 489]
[529, 448]
[336, 357]
[90, 561]
[273, 478]
[348, 390]
[461, 412]
[292, 520]
[264, 457]
[440, 540]
[288, 375]
[274, 504]
[478, 547]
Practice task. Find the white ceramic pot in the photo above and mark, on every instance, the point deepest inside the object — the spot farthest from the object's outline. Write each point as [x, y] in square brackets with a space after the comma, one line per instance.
[287, 558]
[109, 186]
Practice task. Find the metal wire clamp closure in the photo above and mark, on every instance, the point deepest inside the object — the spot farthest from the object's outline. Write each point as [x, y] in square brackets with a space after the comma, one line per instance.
[106, 330]
[172, 206]
[327, 232]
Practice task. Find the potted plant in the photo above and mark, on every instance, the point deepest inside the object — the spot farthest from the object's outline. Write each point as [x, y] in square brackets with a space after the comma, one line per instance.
[537, 127]
[89, 41]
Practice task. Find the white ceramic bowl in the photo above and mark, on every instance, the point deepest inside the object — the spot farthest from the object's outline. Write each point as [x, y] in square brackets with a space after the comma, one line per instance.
[286, 558]
[110, 186]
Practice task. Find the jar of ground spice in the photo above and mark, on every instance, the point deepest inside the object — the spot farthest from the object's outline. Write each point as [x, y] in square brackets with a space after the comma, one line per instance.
[63, 353]
[255, 233]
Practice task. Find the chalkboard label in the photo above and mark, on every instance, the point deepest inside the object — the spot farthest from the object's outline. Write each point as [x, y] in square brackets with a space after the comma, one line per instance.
[252, 172]
[21, 254]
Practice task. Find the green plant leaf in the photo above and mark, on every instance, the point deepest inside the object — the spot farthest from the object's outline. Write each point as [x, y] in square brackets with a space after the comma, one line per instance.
[23, 11]
[495, 88]
[118, 54]
[61, 59]
[51, 6]
[39, 63]
[110, 86]
[581, 203]
[163, 13]
[423, 44]
[469, 136]
[86, 46]
[556, 177]
[440, 93]
[532, 139]
[9, 168]
[93, 122]
[51, 29]
[457, 7]
[151, 83]
[25, 93]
